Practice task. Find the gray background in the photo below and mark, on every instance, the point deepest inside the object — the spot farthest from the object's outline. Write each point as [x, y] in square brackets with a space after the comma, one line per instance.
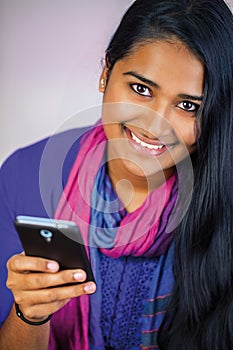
[50, 62]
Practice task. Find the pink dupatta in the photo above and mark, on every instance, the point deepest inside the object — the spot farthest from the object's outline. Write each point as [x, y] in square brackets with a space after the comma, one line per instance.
[138, 233]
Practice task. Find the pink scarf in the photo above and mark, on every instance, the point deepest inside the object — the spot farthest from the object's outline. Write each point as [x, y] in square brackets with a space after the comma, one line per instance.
[137, 235]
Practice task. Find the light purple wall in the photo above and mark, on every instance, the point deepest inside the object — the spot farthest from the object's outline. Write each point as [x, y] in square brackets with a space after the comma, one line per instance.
[50, 63]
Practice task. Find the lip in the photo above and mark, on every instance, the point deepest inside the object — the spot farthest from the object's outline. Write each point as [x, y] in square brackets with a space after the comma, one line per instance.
[144, 144]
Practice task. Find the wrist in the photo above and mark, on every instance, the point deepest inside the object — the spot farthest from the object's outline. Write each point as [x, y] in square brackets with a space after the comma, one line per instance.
[33, 323]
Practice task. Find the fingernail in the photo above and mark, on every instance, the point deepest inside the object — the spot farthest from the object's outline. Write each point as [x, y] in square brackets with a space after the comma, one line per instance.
[89, 288]
[78, 276]
[52, 266]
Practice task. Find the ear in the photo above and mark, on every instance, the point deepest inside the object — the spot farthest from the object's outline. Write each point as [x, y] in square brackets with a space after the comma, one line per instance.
[103, 80]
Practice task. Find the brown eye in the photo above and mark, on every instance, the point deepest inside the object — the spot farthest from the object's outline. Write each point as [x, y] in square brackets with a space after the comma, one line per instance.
[141, 89]
[188, 106]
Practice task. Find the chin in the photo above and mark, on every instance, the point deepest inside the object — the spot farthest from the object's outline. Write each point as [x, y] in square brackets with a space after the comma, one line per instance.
[144, 171]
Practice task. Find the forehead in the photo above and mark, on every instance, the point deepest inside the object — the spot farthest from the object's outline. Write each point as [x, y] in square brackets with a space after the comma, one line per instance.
[166, 63]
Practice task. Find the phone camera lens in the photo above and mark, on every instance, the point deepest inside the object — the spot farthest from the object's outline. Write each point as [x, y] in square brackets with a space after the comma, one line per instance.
[47, 235]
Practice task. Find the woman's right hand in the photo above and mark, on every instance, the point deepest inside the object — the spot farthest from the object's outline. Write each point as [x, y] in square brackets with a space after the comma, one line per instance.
[40, 289]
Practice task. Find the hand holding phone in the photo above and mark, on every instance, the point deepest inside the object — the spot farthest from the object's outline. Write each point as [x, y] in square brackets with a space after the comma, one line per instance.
[58, 240]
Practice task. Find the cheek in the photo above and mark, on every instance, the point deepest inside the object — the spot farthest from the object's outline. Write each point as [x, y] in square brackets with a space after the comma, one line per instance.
[190, 136]
[113, 92]
[121, 112]
[186, 132]
[112, 130]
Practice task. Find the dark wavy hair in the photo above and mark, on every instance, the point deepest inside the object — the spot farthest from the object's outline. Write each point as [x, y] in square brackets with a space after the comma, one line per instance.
[202, 304]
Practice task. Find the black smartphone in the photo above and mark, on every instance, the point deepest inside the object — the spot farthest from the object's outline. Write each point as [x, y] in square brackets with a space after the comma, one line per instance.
[58, 240]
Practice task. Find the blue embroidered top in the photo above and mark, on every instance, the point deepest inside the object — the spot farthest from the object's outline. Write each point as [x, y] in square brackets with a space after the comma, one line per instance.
[133, 291]
[125, 287]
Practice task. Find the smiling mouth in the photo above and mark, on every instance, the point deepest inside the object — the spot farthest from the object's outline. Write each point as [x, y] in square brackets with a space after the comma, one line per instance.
[146, 145]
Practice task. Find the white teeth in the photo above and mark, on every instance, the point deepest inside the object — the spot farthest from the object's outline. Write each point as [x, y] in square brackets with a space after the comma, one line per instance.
[144, 144]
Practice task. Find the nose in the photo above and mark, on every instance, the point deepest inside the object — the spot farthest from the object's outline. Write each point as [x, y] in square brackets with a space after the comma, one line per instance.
[158, 119]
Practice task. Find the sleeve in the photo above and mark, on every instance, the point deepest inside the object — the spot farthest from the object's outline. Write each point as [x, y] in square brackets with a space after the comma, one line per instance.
[31, 183]
[9, 241]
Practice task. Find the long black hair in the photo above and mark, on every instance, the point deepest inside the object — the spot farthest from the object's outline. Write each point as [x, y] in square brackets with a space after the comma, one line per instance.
[201, 316]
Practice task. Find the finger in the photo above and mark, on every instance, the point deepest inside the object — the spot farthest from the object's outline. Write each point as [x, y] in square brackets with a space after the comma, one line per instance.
[22, 263]
[54, 295]
[34, 281]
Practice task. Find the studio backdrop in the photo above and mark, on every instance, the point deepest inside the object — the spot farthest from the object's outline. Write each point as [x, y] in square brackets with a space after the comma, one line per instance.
[50, 62]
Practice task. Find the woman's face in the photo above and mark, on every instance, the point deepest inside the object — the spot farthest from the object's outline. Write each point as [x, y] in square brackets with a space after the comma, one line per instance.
[149, 107]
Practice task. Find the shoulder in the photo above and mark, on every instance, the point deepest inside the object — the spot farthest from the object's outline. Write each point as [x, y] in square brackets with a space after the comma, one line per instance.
[50, 149]
[39, 171]
[56, 142]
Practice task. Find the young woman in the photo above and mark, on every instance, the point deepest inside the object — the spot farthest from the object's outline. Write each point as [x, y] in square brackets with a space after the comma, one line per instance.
[149, 187]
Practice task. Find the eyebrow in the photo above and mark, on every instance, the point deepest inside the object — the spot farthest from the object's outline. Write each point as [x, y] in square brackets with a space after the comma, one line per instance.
[152, 83]
[143, 79]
